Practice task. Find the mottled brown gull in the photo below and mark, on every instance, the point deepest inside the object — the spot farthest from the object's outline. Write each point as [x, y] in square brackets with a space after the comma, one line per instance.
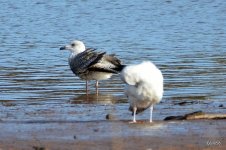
[90, 64]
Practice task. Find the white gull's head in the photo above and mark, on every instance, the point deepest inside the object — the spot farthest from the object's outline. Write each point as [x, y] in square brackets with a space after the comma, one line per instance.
[75, 47]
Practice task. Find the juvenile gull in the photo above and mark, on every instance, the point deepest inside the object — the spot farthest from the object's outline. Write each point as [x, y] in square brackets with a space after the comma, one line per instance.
[144, 86]
[89, 64]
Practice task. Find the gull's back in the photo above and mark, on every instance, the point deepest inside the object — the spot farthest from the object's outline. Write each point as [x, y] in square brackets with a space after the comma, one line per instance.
[144, 85]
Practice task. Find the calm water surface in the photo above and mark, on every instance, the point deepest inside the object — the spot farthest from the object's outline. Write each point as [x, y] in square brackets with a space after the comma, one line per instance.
[186, 40]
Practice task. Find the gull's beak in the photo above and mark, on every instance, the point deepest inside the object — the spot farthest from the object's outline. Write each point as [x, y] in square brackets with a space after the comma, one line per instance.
[63, 48]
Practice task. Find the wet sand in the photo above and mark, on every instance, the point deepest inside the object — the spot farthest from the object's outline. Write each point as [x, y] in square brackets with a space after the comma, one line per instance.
[50, 126]
[115, 134]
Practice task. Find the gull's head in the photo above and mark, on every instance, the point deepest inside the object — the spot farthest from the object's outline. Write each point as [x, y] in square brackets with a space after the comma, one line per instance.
[75, 47]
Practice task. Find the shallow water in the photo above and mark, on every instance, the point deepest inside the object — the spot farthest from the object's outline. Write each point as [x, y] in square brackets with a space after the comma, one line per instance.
[186, 40]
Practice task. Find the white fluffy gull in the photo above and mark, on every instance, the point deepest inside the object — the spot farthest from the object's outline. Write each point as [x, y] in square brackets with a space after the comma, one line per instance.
[89, 64]
[144, 86]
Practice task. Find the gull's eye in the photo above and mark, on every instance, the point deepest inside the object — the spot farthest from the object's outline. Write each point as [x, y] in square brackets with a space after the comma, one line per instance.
[73, 44]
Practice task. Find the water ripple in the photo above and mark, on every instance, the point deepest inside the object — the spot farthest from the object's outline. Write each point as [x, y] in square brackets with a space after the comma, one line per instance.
[185, 39]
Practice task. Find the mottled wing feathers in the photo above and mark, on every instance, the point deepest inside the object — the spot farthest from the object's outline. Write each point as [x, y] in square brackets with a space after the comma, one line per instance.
[99, 69]
[116, 64]
[81, 62]
[108, 63]
[112, 59]
[92, 60]
[93, 57]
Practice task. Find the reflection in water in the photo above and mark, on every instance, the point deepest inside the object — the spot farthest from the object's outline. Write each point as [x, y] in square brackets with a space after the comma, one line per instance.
[97, 99]
[146, 126]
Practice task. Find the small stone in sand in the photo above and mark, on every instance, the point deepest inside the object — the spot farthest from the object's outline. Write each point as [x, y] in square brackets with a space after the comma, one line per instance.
[95, 130]
[221, 105]
[74, 137]
[110, 117]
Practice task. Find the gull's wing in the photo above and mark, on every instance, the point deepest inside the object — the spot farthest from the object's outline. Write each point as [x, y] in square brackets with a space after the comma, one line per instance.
[91, 60]
[81, 62]
[108, 63]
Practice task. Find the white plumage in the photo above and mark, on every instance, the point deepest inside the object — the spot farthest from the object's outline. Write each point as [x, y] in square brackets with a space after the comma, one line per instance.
[144, 86]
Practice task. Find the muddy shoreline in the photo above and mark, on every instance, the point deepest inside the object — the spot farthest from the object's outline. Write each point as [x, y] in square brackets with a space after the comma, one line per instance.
[187, 134]
[47, 126]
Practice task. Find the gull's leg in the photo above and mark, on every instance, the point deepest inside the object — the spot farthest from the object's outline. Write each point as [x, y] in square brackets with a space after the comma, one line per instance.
[151, 109]
[96, 87]
[86, 86]
[134, 115]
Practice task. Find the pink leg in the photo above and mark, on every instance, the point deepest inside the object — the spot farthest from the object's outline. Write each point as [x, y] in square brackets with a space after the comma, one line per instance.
[134, 115]
[86, 86]
[97, 84]
[151, 109]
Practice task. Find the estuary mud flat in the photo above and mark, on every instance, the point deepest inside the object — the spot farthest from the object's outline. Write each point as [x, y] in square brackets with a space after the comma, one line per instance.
[84, 126]
[120, 135]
